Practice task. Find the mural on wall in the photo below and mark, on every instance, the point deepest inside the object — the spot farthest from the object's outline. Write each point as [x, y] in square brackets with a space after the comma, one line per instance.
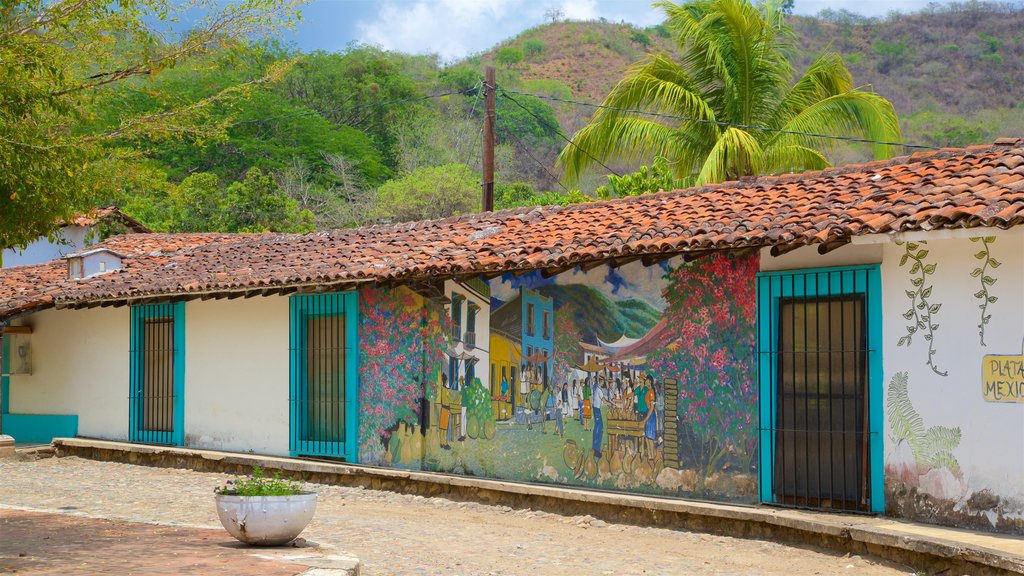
[986, 281]
[921, 314]
[631, 378]
[398, 330]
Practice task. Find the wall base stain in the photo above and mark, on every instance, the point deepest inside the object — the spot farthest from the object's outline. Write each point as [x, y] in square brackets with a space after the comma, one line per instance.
[983, 510]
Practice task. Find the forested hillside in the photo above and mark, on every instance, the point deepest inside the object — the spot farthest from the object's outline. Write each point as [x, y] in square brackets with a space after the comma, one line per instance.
[367, 135]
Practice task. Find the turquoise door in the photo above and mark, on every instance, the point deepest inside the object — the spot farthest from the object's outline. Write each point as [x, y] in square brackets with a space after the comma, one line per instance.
[324, 378]
[156, 412]
[820, 373]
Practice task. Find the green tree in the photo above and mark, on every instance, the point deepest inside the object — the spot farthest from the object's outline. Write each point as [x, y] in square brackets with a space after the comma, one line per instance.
[255, 204]
[60, 56]
[509, 56]
[732, 87]
[431, 192]
[352, 87]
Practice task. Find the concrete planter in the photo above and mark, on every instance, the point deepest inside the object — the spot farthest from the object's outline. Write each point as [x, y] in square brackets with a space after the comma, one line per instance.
[265, 520]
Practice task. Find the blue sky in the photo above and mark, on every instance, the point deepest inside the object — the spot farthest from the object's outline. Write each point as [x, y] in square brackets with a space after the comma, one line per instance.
[456, 28]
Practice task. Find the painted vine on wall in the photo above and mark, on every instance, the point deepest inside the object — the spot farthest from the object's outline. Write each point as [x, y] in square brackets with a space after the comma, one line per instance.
[982, 274]
[922, 312]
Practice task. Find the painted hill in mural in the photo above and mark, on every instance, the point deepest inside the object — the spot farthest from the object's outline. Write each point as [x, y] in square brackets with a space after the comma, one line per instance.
[597, 316]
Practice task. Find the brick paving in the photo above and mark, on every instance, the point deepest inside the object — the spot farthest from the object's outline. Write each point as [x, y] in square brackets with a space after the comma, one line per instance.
[61, 544]
[412, 535]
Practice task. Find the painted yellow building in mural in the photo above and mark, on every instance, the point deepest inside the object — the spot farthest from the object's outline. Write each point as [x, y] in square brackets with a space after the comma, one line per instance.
[506, 358]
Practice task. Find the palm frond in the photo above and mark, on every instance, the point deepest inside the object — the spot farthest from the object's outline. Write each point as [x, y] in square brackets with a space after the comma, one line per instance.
[792, 159]
[736, 153]
[628, 138]
[853, 113]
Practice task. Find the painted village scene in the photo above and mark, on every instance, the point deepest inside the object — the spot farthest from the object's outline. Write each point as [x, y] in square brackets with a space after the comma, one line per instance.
[586, 378]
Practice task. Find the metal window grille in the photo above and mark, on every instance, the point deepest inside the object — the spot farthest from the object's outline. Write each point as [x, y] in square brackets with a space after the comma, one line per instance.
[153, 399]
[320, 362]
[819, 364]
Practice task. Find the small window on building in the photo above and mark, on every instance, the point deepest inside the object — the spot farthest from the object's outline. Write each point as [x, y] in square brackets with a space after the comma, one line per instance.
[546, 325]
[530, 324]
[457, 317]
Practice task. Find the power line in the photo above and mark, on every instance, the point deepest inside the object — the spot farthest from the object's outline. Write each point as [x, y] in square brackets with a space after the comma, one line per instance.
[534, 158]
[719, 123]
[360, 106]
[557, 130]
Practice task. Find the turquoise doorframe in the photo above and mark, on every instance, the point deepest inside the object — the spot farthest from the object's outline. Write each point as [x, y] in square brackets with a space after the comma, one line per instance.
[139, 315]
[819, 282]
[302, 307]
[41, 428]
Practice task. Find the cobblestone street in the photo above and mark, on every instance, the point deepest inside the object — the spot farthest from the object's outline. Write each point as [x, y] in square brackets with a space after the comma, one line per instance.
[394, 533]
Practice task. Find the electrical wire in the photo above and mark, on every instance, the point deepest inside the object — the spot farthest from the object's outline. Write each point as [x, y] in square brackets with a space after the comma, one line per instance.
[534, 158]
[557, 130]
[718, 123]
[359, 106]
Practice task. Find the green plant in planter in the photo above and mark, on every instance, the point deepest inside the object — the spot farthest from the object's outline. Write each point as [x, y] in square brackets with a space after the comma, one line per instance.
[259, 484]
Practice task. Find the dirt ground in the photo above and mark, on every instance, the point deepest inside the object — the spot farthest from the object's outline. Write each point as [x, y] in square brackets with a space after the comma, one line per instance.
[399, 534]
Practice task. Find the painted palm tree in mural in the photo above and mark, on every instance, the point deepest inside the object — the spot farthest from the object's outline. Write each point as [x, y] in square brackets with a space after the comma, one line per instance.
[733, 84]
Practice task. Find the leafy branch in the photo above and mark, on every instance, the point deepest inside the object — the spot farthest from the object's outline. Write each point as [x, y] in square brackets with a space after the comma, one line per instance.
[921, 313]
[988, 261]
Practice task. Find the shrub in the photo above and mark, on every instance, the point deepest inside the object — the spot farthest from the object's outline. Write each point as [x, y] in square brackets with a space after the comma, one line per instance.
[533, 48]
[259, 484]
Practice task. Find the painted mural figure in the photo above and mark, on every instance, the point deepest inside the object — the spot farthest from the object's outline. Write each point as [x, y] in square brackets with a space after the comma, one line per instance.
[596, 405]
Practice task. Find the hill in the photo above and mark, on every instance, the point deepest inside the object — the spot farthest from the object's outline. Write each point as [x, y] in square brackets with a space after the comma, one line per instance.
[597, 316]
[952, 72]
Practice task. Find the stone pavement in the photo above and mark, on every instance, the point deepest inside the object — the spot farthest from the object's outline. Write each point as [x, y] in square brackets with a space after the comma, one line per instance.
[390, 533]
[62, 544]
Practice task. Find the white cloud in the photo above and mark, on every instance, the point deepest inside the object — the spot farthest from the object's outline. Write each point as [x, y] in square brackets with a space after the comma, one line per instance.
[450, 28]
[456, 28]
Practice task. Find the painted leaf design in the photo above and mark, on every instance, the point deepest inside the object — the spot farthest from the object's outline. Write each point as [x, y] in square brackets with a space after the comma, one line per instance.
[915, 268]
[981, 255]
[988, 280]
[911, 246]
[917, 281]
[903, 259]
[929, 269]
[934, 308]
[921, 255]
[927, 292]
[976, 272]
[994, 263]
[906, 424]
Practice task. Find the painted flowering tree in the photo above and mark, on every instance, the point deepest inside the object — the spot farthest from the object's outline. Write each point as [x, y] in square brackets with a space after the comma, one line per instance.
[711, 349]
[391, 365]
[567, 349]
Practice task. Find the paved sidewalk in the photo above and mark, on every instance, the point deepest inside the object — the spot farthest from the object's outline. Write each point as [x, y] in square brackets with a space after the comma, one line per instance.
[397, 534]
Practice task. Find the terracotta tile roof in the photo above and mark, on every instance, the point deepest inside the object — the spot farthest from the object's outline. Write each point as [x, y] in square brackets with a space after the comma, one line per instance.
[981, 186]
[109, 214]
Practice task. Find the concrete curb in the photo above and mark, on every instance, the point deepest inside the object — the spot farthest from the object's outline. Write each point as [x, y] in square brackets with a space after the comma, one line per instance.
[838, 533]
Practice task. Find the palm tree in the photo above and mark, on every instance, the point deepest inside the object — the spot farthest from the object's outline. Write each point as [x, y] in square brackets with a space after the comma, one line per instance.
[739, 114]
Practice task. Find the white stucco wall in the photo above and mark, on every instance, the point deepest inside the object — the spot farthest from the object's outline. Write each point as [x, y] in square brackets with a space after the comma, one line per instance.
[79, 366]
[991, 450]
[68, 240]
[236, 375]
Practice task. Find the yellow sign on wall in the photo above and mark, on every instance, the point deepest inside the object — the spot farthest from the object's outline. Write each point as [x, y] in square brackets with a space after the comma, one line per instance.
[1002, 378]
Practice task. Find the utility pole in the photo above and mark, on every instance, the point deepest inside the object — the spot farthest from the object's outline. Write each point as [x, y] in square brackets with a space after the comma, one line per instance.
[488, 179]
